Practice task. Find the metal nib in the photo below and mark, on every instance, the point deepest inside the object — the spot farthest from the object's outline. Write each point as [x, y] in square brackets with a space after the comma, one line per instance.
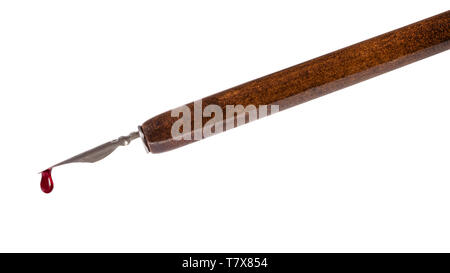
[100, 152]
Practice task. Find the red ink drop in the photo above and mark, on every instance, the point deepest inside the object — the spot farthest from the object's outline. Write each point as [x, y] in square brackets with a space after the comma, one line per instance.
[47, 181]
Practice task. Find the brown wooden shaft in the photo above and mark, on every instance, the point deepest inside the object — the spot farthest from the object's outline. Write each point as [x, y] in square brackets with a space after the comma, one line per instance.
[317, 77]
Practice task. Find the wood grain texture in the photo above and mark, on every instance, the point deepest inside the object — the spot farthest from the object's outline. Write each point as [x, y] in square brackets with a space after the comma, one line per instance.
[317, 77]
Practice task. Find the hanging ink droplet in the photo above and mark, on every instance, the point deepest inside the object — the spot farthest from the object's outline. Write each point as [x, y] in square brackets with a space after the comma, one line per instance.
[47, 181]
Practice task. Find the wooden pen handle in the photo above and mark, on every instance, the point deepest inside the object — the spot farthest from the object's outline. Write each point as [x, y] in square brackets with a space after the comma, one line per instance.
[309, 80]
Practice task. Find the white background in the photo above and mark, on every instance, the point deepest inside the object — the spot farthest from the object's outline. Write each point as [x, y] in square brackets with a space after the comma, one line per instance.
[362, 169]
